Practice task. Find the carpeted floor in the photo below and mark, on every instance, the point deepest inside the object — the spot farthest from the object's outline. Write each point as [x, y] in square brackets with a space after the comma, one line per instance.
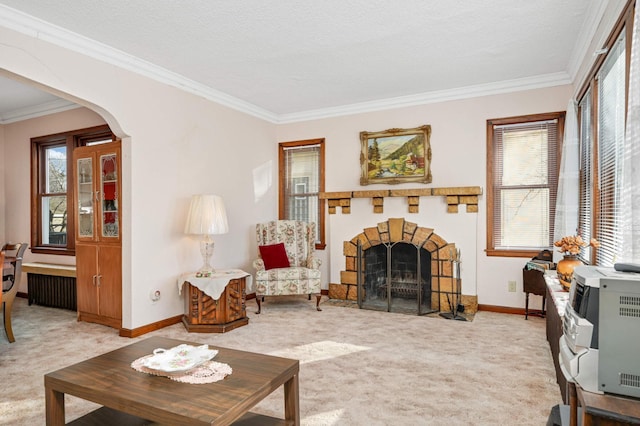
[459, 316]
[358, 367]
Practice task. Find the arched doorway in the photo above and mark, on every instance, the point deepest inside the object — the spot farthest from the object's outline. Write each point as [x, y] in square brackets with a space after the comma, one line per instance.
[48, 111]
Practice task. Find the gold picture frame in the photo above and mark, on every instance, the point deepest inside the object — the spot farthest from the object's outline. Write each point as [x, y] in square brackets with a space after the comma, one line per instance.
[396, 156]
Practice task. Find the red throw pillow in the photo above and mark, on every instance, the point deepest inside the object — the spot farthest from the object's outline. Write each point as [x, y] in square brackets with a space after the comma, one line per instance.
[274, 256]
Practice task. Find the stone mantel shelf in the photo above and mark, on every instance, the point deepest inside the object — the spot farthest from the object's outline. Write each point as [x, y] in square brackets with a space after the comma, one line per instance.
[454, 196]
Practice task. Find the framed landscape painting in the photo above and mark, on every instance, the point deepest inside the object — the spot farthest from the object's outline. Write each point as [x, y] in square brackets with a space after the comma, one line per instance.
[396, 156]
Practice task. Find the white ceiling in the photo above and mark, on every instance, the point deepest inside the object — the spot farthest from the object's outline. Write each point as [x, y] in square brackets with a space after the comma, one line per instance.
[288, 59]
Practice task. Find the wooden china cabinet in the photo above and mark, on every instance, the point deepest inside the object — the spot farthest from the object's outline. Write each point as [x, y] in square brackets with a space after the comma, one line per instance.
[97, 180]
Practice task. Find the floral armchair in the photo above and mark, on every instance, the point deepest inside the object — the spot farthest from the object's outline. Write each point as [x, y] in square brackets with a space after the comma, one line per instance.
[286, 265]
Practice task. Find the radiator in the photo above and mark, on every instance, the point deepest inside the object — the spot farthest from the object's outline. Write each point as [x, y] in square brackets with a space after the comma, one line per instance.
[53, 291]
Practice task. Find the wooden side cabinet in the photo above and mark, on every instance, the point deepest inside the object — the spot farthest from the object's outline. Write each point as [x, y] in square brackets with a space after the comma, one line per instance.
[204, 314]
[98, 284]
[554, 331]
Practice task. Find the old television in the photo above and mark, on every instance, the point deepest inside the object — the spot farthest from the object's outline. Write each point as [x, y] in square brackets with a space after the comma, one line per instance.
[600, 345]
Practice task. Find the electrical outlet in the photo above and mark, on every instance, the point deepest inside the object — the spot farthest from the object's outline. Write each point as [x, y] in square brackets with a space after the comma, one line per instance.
[154, 295]
[512, 286]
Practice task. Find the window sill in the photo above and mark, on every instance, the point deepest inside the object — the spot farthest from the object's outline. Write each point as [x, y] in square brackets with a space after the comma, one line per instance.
[60, 251]
[512, 253]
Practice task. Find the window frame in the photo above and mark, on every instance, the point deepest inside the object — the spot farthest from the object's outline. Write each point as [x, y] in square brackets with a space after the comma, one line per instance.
[70, 140]
[491, 196]
[590, 91]
[282, 146]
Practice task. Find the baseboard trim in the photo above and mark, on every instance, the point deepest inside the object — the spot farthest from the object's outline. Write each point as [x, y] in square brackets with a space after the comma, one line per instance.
[253, 295]
[125, 332]
[501, 309]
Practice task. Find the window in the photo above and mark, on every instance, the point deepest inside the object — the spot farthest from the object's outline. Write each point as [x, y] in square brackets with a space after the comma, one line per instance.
[52, 188]
[602, 112]
[301, 166]
[299, 204]
[586, 180]
[522, 174]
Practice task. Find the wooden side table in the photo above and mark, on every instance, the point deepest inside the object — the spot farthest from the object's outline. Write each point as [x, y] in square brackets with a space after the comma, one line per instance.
[602, 409]
[204, 314]
[533, 282]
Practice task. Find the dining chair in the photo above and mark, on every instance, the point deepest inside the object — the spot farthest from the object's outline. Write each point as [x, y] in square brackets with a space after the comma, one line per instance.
[1, 263]
[12, 251]
[10, 284]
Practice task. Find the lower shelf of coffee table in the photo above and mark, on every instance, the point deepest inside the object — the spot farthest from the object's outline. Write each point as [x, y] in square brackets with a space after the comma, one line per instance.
[108, 416]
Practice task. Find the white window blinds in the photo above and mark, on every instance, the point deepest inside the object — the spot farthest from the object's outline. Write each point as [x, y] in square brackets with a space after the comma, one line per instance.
[586, 178]
[302, 183]
[611, 127]
[524, 184]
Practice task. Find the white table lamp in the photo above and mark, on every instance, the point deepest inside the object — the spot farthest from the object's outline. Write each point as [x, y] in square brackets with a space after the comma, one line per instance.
[206, 217]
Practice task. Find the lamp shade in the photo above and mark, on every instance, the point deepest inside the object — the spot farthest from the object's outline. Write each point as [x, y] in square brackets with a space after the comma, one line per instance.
[207, 216]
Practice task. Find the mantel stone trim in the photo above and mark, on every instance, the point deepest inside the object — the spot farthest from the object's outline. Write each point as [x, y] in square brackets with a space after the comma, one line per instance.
[454, 196]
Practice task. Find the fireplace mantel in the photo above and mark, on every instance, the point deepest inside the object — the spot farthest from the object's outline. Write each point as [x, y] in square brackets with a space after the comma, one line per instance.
[454, 196]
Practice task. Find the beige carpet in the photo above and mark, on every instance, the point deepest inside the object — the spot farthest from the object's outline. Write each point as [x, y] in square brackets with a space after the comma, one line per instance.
[358, 367]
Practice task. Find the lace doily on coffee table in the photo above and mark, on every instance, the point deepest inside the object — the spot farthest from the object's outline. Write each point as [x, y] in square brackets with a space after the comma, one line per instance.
[207, 372]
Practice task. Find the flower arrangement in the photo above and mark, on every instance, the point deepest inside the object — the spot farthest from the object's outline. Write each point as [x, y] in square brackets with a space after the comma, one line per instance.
[572, 244]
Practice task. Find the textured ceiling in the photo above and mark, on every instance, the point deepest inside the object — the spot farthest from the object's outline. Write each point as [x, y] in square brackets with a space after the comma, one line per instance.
[291, 56]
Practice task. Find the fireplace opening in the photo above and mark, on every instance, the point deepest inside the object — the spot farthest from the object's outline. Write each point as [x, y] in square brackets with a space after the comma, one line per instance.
[395, 277]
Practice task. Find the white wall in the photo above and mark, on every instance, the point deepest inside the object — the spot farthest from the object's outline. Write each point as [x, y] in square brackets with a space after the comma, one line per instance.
[458, 129]
[458, 142]
[175, 144]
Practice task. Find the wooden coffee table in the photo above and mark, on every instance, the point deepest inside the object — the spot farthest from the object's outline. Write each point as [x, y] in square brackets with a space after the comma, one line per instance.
[132, 397]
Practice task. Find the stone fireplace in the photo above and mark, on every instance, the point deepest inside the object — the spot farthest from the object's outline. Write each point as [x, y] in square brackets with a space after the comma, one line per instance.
[398, 266]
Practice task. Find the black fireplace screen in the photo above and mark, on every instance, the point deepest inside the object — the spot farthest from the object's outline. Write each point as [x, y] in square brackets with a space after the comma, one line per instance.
[395, 277]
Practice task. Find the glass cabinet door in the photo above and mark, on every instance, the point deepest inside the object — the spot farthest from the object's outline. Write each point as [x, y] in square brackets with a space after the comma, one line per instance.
[109, 189]
[85, 197]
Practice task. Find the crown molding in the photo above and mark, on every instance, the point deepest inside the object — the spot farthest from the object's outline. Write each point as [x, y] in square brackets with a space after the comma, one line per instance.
[39, 29]
[507, 86]
[51, 107]
[585, 37]
[42, 30]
